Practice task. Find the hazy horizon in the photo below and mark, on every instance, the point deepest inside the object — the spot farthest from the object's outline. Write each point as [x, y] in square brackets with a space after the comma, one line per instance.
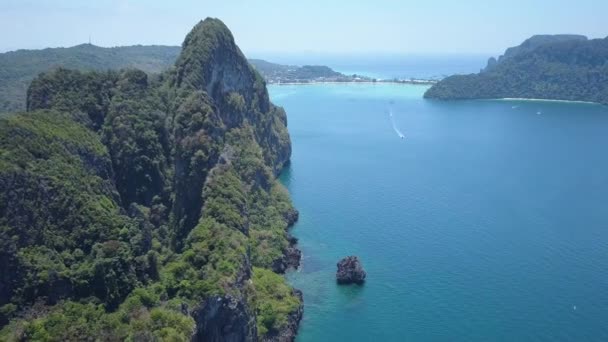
[385, 27]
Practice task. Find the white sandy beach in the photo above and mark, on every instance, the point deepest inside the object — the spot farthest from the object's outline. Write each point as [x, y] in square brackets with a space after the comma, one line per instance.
[544, 100]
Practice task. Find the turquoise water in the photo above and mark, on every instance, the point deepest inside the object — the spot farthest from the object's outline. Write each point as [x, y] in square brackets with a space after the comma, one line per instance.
[389, 66]
[486, 223]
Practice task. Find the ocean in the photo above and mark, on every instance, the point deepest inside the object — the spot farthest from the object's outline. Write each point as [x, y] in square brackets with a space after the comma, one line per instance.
[488, 221]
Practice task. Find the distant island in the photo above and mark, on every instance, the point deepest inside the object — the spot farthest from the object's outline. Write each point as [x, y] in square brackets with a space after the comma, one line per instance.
[275, 73]
[551, 67]
[19, 68]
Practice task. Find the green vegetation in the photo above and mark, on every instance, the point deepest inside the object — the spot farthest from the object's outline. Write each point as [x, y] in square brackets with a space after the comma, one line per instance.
[76, 241]
[126, 201]
[19, 68]
[144, 315]
[563, 68]
[279, 73]
[272, 299]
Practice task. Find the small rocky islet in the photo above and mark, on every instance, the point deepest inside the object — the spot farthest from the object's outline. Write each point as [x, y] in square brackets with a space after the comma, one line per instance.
[350, 271]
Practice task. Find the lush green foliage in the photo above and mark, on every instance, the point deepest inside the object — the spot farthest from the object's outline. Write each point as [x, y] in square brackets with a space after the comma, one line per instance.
[19, 68]
[59, 216]
[125, 199]
[69, 90]
[144, 315]
[276, 73]
[272, 299]
[244, 210]
[571, 69]
[138, 140]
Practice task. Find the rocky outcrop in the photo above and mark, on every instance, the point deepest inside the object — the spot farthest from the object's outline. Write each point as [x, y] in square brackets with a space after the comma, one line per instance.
[291, 217]
[211, 61]
[291, 255]
[226, 319]
[290, 259]
[350, 271]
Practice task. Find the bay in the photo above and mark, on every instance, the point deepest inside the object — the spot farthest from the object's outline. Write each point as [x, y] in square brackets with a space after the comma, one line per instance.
[487, 222]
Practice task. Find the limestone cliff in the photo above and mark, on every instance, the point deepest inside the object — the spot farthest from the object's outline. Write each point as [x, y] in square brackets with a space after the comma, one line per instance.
[169, 215]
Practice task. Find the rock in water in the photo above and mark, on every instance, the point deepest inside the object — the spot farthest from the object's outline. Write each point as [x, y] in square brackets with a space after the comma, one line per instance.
[350, 271]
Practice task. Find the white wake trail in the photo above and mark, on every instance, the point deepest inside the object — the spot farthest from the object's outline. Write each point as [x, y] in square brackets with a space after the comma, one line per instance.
[395, 128]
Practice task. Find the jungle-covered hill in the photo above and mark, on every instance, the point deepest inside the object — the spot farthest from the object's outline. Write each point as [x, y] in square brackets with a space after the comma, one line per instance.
[561, 67]
[138, 207]
[19, 68]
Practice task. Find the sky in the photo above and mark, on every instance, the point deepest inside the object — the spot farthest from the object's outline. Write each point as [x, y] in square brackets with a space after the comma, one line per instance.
[310, 26]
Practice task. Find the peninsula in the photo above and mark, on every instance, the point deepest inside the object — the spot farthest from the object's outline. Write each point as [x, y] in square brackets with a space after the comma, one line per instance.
[550, 67]
[275, 73]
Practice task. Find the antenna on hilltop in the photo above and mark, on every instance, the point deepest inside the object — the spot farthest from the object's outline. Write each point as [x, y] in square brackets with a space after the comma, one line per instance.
[89, 39]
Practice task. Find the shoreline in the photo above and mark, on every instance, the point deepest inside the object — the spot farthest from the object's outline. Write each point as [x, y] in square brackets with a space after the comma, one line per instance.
[422, 83]
[545, 100]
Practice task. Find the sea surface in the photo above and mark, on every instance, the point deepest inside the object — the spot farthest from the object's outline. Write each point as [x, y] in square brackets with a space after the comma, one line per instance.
[488, 221]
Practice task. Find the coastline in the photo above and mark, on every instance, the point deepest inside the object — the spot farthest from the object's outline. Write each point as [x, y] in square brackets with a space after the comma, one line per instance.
[545, 100]
[421, 83]
[332, 310]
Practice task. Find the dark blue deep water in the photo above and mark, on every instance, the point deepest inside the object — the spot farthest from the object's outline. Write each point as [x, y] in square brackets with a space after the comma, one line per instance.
[488, 222]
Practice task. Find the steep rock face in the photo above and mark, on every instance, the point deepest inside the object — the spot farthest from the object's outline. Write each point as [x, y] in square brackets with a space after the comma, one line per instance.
[290, 258]
[350, 271]
[224, 318]
[211, 61]
[218, 87]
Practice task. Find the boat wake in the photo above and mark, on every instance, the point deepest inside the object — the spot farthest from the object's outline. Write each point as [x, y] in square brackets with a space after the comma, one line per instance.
[395, 128]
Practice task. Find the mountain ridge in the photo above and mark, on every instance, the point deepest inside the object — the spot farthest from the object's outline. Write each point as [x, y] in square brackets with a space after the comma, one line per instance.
[18, 68]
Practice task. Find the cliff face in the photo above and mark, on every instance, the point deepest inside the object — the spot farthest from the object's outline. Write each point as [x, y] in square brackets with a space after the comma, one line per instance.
[562, 67]
[212, 77]
[169, 204]
[211, 61]
[224, 318]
